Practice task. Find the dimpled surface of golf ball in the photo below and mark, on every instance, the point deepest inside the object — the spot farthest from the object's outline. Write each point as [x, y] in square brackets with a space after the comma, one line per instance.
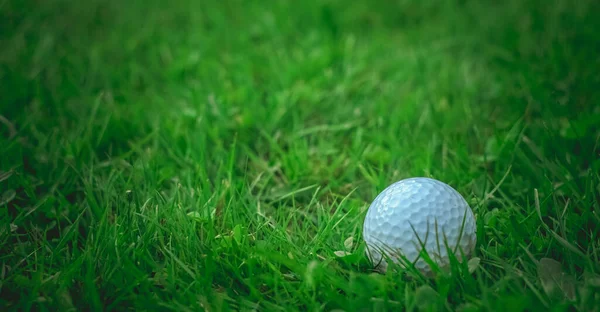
[418, 212]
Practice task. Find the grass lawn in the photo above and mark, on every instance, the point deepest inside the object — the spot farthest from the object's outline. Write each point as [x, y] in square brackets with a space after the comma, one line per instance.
[213, 155]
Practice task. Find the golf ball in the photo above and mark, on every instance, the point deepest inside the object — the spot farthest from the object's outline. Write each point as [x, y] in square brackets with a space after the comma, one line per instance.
[418, 213]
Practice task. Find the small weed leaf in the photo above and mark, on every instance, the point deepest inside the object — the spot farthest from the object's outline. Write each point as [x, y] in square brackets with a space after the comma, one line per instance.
[342, 253]
[491, 218]
[237, 234]
[196, 216]
[377, 154]
[349, 243]
[473, 264]
[7, 197]
[160, 277]
[554, 281]
[349, 257]
[492, 150]
[425, 298]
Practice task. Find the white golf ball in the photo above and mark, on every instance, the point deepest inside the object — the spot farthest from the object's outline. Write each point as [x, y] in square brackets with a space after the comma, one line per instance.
[415, 213]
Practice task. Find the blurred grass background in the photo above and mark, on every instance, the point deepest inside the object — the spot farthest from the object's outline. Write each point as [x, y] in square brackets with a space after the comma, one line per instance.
[189, 155]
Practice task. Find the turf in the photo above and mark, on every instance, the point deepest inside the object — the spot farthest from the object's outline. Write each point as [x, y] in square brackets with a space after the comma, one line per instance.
[196, 155]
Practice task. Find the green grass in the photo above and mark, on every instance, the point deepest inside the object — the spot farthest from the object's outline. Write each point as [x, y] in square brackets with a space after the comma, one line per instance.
[189, 155]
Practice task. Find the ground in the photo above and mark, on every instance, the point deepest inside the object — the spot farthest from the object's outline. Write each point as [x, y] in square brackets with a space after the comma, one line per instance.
[195, 155]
